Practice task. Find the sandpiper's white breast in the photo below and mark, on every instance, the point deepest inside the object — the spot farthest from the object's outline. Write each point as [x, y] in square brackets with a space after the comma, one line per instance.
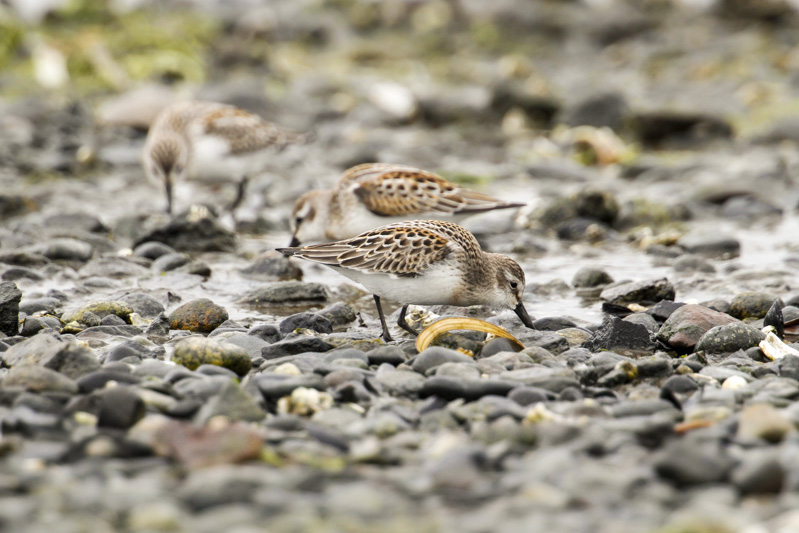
[438, 285]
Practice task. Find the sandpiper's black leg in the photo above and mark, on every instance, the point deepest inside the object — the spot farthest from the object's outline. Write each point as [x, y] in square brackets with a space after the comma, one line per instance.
[240, 190]
[168, 187]
[403, 324]
[386, 336]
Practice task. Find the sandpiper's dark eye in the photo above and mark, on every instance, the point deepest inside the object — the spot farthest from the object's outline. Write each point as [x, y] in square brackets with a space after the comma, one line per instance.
[514, 285]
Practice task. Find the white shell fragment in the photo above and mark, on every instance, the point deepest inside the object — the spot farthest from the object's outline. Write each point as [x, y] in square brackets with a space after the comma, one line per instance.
[774, 348]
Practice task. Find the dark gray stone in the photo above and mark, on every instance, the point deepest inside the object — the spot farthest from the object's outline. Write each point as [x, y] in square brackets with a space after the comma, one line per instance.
[312, 321]
[272, 266]
[711, 245]
[192, 234]
[617, 334]
[295, 346]
[10, 296]
[436, 355]
[645, 292]
[152, 250]
[588, 277]
[687, 462]
[275, 386]
[146, 305]
[282, 292]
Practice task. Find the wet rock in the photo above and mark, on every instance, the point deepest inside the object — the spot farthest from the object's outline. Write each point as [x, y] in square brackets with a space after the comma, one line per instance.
[749, 208]
[195, 351]
[763, 422]
[497, 345]
[729, 338]
[12, 205]
[751, 304]
[312, 321]
[39, 379]
[170, 261]
[201, 315]
[23, 258]
[640, 292]
[286, 292]
[46, 305]
[643, 319]
[618, 335]
[92, 313]
[693, 263]
[68, 358]
[338, 314]
[99, 379]
[18, 273]
[233, 403]
[266, 332]
[588, 277]
[272, 266]
[581, 229]
[711, 245]
[252, 344]
[553, 323]
[600, 110]
[65, 249]
[775, 318]
[391, 355]
[145, 305]
[152, 250]
[434, 356]
[192, 233]
[662, 310]
[688, 463]
[759, 473]
[530, 395]
[683, 329]
[118, 407]
[275, 386]
[399, 382]
[680, 130]
[294, 346]
[10, 297]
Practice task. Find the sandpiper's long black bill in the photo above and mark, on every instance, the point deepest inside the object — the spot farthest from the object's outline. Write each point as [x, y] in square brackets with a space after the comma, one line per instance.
[294, 241]
[521, 312]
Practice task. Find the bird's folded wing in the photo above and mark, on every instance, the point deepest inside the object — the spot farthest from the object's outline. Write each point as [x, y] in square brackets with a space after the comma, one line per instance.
[396, 250]
[396, 190]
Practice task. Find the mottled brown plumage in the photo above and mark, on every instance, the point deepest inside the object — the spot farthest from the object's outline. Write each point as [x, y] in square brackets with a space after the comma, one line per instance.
[424, 262]
[210, 141]
[374, 194]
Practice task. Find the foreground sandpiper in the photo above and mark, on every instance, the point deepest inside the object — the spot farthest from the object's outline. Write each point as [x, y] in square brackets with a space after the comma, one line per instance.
[374, 194]
[425, 262]
[210, 141]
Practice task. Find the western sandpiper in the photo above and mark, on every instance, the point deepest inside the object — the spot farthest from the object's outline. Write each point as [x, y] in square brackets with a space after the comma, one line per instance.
[425, 262]
[210, 141]
[374, 194]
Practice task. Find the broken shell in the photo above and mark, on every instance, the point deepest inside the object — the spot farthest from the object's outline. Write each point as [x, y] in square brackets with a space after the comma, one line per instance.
[774, 348]
[448, 324]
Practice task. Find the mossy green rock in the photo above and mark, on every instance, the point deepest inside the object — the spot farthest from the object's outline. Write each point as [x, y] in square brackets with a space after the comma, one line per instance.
[201, 316]
[730, 338]
[91, 314]
[195, 351]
